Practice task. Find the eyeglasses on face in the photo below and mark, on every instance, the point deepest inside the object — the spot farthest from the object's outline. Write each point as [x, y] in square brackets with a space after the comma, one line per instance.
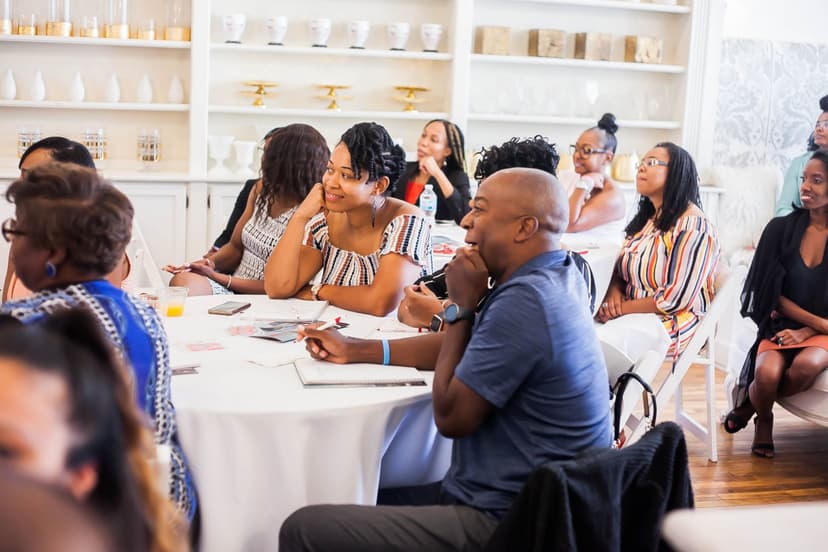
[8, 230]
[821, 125]
[584, 150]
[650, 162]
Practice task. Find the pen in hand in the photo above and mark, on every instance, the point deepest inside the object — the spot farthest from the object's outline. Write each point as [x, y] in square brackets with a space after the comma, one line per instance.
[326, 326]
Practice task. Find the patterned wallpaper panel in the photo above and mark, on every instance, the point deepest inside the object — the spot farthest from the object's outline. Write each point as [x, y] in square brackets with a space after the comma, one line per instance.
[768, 101]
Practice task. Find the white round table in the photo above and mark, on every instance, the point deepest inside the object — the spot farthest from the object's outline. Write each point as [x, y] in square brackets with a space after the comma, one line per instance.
[260, 445]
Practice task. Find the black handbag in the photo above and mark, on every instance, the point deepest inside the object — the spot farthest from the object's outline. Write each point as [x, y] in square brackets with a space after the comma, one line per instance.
[618, 390]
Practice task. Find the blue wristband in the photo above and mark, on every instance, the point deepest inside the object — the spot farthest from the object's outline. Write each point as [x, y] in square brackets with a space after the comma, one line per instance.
[386, 352]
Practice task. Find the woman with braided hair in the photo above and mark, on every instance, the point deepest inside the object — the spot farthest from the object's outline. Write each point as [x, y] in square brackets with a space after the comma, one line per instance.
[441, 162]
[367, 245]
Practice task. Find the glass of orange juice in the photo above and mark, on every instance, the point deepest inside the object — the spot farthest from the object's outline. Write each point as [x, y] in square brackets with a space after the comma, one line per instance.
[174, 297]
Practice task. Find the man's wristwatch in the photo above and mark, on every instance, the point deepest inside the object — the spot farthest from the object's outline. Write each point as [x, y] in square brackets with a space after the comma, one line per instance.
[315, 291]
[454, 313]
[436, 323]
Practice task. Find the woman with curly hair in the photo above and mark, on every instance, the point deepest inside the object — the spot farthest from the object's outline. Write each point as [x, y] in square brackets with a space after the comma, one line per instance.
[68, 418]
[294, 159]
[441, 162]
[367, 245]
[668, 261]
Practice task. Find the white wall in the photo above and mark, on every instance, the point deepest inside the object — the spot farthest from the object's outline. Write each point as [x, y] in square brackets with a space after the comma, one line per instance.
[777, 20]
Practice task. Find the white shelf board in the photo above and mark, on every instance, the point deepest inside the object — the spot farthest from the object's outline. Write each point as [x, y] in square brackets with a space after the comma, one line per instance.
[579, 63]
[84, 41]
[326, 114]
[569, 121]
[95, 106]
[342, 52]
[633, 5]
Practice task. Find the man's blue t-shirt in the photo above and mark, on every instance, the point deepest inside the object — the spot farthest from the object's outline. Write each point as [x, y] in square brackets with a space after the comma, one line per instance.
[534, 355]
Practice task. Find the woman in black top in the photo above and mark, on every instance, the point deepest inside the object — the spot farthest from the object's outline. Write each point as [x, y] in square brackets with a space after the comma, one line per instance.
[786, 295]
[441, 162]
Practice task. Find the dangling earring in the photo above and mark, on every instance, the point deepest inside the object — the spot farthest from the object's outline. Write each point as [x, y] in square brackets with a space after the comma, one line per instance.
[51, 269]
[373, 211]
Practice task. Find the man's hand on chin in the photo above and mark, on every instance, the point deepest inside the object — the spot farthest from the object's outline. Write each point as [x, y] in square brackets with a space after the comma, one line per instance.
[467, 277]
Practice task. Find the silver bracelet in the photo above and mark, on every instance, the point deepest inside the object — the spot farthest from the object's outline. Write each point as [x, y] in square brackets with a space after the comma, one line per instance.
[229, 282]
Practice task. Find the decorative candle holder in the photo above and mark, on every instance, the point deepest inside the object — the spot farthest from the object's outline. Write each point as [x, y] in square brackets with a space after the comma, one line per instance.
[178, 20]
[25, 138]
[60, 20]
[260, 93]
[410, 99]
[95, 141]
[149, 145]
[332, 96]
[89, 27]
[117, 19]
[27, 24]
[6, 26]
[244, 156]
[219, 149]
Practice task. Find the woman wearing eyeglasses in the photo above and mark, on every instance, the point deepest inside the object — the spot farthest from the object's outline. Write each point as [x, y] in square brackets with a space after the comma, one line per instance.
[594, 199]
[789, 197]
[294, 159]
[668, 260]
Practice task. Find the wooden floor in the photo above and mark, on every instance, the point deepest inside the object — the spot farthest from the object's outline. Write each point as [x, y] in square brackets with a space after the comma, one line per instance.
[799, 472]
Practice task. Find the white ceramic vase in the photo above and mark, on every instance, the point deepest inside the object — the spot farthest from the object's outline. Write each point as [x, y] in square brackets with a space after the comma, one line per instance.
[398, 35]
[276, 28]
[143, 93]
[38, 87]
[234, 26]
[175, 94]
[358, 33]
[77, 92]
[320, 30]
[8, 88]
[244, 156]
[112, 93]
[219, 150]
[430, 34]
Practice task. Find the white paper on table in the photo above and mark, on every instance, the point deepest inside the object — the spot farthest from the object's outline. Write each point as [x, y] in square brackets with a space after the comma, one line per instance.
[290, 310]
[318, 373]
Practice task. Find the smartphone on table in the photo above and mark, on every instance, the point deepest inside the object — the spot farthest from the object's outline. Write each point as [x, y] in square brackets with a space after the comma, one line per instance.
[228, 307]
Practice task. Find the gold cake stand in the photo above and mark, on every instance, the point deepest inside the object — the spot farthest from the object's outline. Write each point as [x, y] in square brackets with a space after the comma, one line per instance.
[332, 96]
[261, 91]
[410, 98]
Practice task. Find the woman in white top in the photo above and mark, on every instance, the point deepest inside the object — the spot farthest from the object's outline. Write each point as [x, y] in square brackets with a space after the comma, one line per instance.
[294, 159]
[594, 199]
[367, 245]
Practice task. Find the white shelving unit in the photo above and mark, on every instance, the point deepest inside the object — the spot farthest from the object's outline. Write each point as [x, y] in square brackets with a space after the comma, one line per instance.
[84, 41]
[338, 52]
[491, 97]
[631, 5]
[95, 106]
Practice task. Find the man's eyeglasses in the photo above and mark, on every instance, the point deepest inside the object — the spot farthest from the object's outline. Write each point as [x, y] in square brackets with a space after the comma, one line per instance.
[651, 162]
[584, 150]
[8, 230]
[821, 124]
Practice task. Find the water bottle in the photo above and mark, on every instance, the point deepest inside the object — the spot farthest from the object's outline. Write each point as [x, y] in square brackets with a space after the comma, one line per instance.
[428, 202]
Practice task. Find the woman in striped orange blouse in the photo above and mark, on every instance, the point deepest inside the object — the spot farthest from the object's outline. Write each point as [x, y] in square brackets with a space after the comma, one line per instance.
[367, 245]
[669, 258]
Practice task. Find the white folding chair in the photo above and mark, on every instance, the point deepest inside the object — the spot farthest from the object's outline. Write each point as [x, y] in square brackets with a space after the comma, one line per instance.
[144, 273]
[700, 350]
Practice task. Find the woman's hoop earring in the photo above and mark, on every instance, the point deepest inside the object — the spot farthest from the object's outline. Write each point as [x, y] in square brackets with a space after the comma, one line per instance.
[51, 269]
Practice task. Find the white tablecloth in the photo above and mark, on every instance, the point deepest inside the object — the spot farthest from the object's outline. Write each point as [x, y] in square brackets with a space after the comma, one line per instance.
[260, 445]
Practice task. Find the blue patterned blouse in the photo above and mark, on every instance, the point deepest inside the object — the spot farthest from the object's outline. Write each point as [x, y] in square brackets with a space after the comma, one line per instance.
[136, 331]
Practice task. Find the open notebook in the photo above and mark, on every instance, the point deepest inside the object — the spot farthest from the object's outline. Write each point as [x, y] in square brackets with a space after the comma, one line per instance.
[315, 373]
[291, 310]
